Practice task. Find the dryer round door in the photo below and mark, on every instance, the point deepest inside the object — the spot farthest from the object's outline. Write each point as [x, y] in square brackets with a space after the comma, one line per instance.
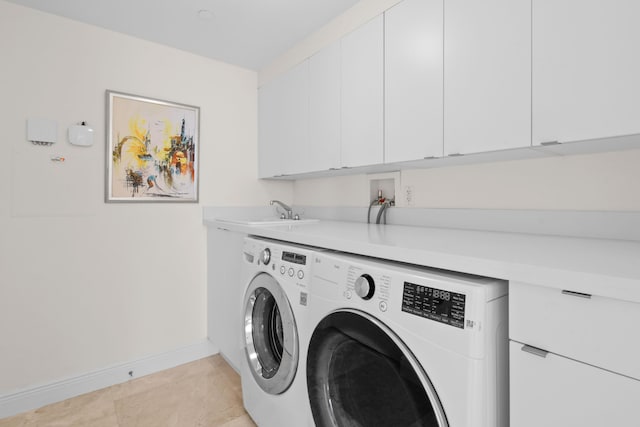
[359, 373]
[270, 335]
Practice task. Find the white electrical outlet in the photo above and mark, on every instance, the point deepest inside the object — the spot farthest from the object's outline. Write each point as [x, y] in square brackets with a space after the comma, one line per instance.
[408, 195]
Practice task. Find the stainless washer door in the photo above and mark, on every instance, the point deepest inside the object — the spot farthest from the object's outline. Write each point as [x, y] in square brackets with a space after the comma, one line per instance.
[270, 335]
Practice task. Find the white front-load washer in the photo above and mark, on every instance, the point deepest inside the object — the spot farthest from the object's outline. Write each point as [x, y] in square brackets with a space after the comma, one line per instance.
[276, 278]
[399, 345]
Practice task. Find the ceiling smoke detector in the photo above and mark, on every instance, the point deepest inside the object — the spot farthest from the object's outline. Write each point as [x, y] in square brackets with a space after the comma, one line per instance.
[205, 14]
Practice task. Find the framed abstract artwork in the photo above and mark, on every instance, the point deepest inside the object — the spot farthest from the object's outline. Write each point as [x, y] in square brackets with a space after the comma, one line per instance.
[152, 150]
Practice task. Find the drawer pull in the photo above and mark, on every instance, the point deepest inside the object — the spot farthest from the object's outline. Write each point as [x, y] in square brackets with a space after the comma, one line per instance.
[535, 351]
[576, 294]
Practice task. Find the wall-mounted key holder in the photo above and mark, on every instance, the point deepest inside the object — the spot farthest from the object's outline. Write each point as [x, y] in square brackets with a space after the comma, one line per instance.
[42, 131]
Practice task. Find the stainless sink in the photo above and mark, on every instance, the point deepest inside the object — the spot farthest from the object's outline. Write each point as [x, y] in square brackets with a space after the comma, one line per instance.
[267, 221]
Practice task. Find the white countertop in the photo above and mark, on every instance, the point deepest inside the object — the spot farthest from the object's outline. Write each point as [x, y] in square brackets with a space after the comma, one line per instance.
[609, 268]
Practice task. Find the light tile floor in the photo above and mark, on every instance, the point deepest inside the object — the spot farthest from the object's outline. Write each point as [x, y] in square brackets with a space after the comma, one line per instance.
[204, 393]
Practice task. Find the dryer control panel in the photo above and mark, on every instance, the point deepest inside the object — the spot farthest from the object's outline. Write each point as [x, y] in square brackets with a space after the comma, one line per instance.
[435, 304]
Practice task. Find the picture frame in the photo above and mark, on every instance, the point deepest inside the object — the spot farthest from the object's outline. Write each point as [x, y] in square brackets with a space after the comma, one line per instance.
[152, 150]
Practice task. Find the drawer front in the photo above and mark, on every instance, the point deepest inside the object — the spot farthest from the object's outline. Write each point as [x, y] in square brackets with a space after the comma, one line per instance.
[555, 391]
[599, 331]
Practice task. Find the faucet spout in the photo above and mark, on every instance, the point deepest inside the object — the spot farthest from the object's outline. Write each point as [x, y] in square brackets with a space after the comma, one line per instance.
[287, 209]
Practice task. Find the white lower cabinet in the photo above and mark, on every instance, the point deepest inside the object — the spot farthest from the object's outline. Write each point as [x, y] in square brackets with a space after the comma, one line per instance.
[552, 390]
[225, 289]
[573, 358]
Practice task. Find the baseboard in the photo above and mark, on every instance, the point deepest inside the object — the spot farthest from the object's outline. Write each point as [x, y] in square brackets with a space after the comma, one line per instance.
[36, 397]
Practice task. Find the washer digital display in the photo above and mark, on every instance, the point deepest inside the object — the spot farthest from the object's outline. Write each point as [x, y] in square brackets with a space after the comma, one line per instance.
[435, 304]
[294, 258]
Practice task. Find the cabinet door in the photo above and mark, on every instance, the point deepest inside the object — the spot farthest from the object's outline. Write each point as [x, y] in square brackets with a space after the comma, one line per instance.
[296, 132]
[555, 391]
[413, 32]
[324, 109]
[270, 147]
[284, 123]
[362, 95]
[225, 291]
[487, 75]
[583, 327]
[586, 69]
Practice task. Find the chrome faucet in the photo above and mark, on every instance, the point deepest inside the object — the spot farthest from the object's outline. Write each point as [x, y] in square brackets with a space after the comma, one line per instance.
[285, 207]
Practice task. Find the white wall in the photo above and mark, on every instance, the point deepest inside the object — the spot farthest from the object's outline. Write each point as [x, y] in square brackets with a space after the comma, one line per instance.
[589, 182]
[86, 285]
[351, 19]
[606, 181]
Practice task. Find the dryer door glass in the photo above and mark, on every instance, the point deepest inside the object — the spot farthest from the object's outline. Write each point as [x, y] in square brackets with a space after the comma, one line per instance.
[267, 332]
[271, 338]
[360, 374]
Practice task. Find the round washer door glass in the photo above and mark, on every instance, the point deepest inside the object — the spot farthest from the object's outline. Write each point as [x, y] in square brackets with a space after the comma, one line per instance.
[359, 373]
[270, 334]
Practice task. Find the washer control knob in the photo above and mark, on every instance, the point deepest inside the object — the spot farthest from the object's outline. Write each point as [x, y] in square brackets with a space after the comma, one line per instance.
[265, 256]
[365, 287]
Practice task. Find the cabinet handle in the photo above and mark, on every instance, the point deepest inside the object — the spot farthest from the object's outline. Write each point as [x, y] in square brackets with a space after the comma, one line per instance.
[455, 155]
[576, 294]
[550, 143]
[534, 350]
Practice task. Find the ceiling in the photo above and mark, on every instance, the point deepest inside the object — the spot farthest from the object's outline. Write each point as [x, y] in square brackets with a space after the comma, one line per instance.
[247, 33]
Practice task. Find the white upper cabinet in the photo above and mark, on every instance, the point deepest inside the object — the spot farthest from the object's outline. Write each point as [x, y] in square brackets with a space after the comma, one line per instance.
[324, 109]
[362, 95]
[487, 75]
[270, 149]
[413, 80]
[283, 124]
[295, 133]
[586, 69]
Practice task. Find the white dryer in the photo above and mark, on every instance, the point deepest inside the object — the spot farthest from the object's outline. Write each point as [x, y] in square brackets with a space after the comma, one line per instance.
[276, 279]
[400, 345]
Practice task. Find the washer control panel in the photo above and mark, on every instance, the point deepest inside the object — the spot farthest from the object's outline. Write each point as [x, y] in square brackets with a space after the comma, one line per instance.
[435, 304]
[290, 261]
[293, 264]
